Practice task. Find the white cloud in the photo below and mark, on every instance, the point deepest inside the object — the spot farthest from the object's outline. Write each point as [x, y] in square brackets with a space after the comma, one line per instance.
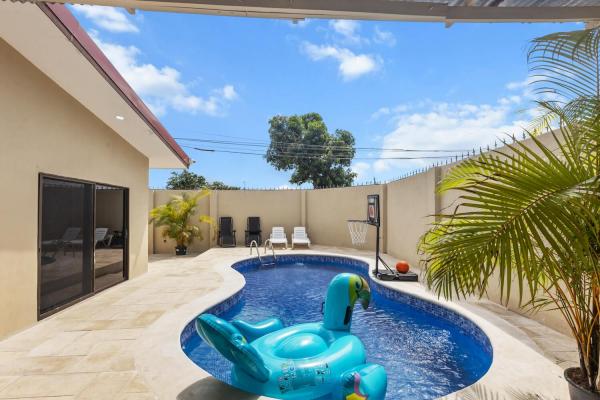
[228, 92]
[510, 100]
[384, 37]
[383, 111]
[361, 169]
[109, 18]
[451, 126]
[350, 65]
[519, 85]
[348, 30]
[344, 27]
[162, 87]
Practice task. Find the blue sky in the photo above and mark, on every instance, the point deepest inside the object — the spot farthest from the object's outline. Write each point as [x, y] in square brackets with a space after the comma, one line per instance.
[392, 84]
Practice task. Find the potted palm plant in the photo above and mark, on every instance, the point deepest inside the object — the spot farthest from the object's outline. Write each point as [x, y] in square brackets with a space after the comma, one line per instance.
[528, 214]
[176, 217]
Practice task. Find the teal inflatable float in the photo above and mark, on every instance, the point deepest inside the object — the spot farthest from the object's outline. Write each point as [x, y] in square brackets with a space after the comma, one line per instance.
[320, 360]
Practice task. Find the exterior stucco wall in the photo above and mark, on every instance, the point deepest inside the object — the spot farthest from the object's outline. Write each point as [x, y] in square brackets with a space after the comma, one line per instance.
[166, 245]
[328, 210]
[275, 208]
[411, 203]
[44, 130]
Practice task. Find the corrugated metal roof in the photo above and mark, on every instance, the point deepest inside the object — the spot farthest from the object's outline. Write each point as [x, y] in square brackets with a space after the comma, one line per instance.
[517, 3]
[448, 11]
[510, 3]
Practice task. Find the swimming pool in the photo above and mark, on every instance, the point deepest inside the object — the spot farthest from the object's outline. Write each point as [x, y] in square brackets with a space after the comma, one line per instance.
[427, 350]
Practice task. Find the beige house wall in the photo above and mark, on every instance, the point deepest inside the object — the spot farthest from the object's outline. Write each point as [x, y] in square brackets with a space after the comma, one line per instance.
[44, 130]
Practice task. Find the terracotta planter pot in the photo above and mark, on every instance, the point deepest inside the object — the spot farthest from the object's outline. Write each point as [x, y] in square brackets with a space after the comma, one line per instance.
[180, 251]
[576, 391]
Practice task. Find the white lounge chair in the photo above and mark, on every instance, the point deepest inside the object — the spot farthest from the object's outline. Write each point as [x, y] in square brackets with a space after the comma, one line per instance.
[278, 236]
[70, 234]
[299, 236]
[100, 236]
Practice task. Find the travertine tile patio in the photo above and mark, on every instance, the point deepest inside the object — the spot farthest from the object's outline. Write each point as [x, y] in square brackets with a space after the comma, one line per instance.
[89, 350]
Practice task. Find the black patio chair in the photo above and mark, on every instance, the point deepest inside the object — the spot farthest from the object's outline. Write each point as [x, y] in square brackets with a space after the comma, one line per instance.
[253, 231]
[226, 232]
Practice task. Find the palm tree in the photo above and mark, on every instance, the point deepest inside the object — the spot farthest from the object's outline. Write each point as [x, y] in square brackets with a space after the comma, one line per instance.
[176, 215]
[530, 213]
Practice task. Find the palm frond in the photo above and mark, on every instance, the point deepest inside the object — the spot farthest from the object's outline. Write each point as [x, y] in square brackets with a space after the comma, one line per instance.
[514, 205]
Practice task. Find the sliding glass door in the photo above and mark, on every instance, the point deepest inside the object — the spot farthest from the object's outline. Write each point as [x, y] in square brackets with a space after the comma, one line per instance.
[65, 242]
[111, 231]
[82, 240]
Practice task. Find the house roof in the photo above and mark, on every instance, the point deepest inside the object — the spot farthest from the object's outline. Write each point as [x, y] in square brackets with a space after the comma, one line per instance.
[70, 57]
[447, 11]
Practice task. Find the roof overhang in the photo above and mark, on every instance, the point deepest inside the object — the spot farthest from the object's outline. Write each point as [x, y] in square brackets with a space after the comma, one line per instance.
[51, 39]
[446, 11]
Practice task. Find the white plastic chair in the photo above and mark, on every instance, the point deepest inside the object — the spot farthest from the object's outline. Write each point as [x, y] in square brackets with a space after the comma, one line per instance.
[278, 236]
[299, 236]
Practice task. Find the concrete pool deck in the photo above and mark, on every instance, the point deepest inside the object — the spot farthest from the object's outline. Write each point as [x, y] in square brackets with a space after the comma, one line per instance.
[124, 342]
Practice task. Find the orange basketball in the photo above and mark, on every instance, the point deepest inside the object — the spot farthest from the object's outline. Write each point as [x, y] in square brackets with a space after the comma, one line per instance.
[402, 267]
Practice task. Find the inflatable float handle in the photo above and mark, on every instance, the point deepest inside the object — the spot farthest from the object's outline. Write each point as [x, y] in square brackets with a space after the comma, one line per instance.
[364, 382]
[228, 341]
[259, 329]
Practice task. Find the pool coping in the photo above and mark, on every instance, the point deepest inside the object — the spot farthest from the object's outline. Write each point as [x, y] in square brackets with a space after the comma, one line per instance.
[172, 375]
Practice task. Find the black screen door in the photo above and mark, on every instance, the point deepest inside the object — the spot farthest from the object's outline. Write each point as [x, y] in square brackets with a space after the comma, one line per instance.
[65, 242]
[82, 240]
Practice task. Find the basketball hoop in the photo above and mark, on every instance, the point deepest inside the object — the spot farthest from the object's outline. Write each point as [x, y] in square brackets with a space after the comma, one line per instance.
[358, 231]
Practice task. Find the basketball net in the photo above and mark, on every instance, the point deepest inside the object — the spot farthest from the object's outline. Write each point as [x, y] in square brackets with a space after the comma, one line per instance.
[358, 231]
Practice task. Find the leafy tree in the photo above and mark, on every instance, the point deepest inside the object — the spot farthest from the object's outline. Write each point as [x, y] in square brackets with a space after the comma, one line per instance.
[531, 214]
[186, 180]
[218, 185]
[303, 144]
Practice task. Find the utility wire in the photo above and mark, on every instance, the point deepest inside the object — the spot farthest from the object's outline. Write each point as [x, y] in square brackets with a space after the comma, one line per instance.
[255, 143]
[309, 156]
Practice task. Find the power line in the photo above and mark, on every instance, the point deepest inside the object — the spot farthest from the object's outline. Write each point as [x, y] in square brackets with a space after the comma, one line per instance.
[257, 143]
[311, 157]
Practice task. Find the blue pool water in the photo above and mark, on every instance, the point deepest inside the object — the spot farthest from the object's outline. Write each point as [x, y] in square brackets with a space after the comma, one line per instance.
[425, 356]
